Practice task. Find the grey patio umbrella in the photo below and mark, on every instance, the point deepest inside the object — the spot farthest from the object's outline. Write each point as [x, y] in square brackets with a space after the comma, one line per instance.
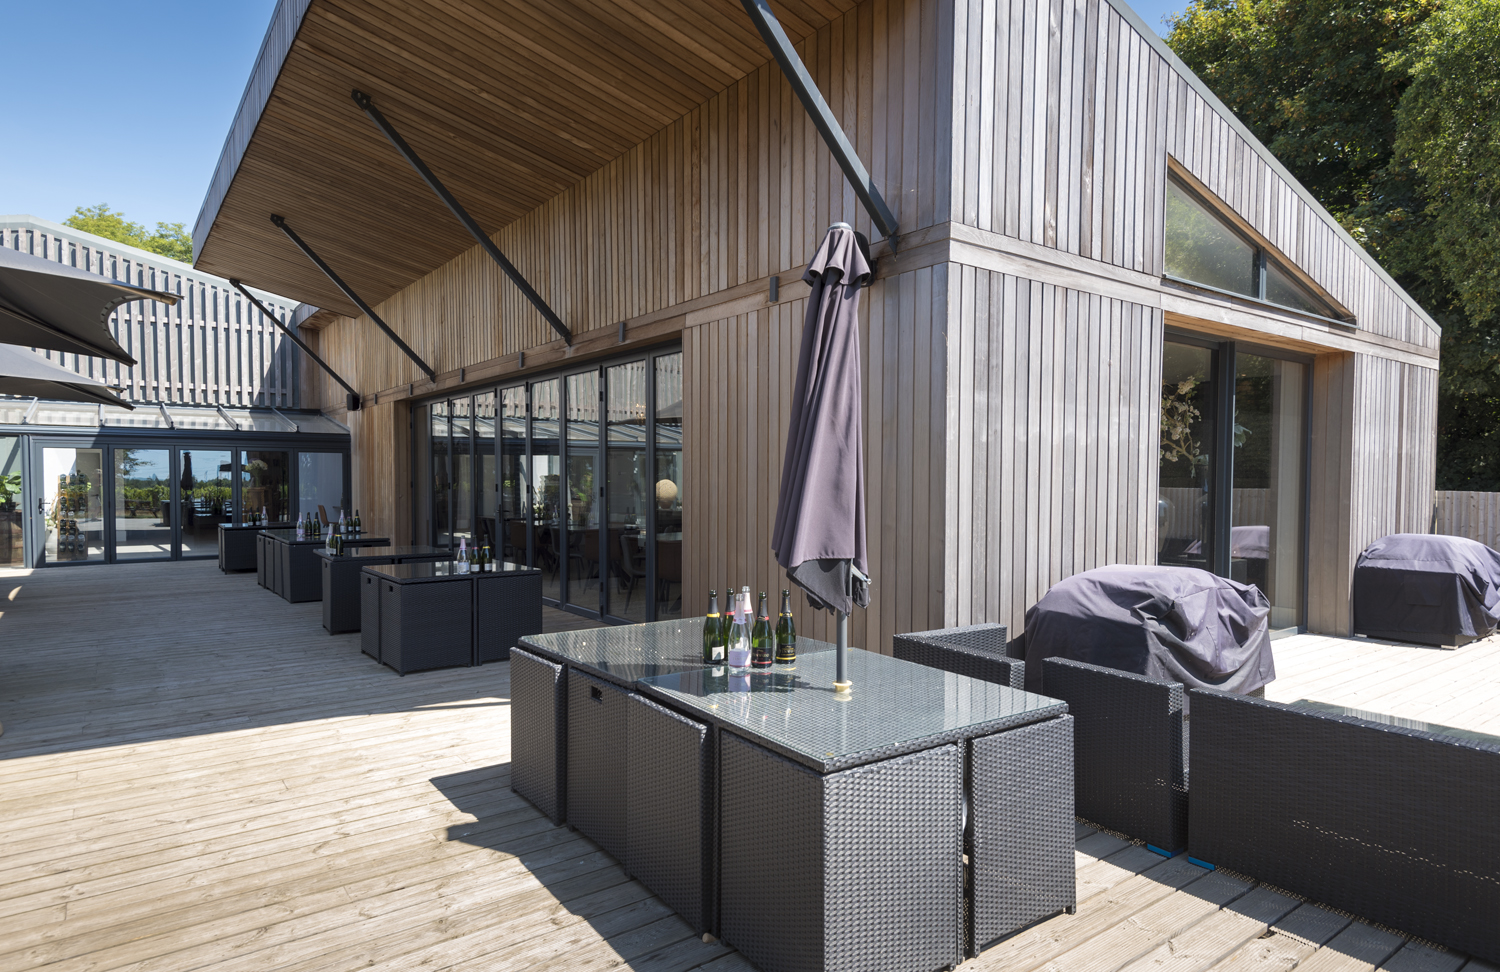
[819, 536]
[44, 304]
[26, 373]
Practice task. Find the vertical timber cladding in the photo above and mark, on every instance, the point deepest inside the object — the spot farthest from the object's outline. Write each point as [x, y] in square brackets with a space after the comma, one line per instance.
[738, 375]
[1053, 398]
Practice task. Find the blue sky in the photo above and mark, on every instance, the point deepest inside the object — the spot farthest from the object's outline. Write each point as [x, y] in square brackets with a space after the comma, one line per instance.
[121, 102]
[127, 102]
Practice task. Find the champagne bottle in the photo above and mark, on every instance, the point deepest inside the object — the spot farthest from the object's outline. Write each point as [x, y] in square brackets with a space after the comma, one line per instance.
[762, 640]
[786, 632]
[737, 646]
[343, 528]
[486, 559]
[357, 526]
[463, 555]
[731, 601]
[713, 631]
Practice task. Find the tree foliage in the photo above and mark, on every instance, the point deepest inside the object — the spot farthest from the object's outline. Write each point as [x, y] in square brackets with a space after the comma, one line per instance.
[1388, 111]
[170, 240]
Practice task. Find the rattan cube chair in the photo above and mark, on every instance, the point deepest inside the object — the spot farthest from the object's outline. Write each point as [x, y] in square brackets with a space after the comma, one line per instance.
[977, 651]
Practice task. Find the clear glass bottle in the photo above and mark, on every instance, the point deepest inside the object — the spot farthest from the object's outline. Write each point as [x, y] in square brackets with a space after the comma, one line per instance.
[738, 646]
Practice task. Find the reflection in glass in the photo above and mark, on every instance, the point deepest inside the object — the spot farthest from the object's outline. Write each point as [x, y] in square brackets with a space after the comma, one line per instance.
[320, 485]
[1201, 247]
[73, 498]
[515, 509]
[484, 468]
[1282, 289]
[626, 490]
[583, 407]
[205, 499]
[1184, 512]
[668, 485]
[583, 530]
[12, 504]
[264, 483]
[1266, 521]
[440, 477]
[546, 483]
[462, 498]
[143, 504]
[422, 530]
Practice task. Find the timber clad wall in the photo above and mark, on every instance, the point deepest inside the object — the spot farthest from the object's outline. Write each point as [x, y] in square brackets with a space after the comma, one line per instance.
[1012, 348]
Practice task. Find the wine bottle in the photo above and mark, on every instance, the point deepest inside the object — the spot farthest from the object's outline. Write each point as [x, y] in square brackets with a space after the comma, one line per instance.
[762, 640]
[786, 632]
[463, 555]
[713, 631]
[737, 646]
[357, 526]
[486, 559]
[731, 601]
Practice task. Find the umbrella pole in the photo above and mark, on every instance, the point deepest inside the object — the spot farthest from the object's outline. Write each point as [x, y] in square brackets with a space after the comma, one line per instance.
[841, 655]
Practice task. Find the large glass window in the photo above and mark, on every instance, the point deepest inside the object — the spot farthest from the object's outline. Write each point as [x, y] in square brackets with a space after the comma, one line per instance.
[320, 485]
[515, 506]
[485, 493]
[143, 504]
[668, 368]
[462, 497]
[205, 499]
[582, 506]
[73, 500]
[441, 477]
[1184, 508]
[546, 483]
[12, 504]
[265, 483]
[626, 497]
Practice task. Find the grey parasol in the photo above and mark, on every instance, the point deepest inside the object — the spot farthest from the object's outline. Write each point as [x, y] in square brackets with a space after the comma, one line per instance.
[61, 308]
[26, 373]
[819, 536]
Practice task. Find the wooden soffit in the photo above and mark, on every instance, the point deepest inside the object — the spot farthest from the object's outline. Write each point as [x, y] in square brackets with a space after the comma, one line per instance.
[510, 103]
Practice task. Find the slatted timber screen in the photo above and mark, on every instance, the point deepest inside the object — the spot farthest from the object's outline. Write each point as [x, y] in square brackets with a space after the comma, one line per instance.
[1064, 117]
[1464, 513]
[213, 347]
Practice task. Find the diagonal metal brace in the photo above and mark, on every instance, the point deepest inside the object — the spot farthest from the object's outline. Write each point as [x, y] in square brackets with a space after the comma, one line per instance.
[480, 236]
[338, 282]
[296, 338]
[822, 116]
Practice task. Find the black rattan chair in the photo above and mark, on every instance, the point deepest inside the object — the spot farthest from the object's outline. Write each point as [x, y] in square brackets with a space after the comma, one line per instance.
[977, 651]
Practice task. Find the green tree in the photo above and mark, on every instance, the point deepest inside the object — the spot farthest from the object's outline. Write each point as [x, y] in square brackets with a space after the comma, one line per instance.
[1385, 111]
[170, 240]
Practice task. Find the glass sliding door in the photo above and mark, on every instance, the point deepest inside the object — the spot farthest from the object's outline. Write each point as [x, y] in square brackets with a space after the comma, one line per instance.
[441, 476]
[582, 491]
[73, 504]
[668, 489]
[205, 499]
[320, 485]
[546, 485]
[265, 483]
[143, 504]
[1269, 472]
[628, 591]
[12, 504]
[515, 489]
[485, 491]
[461, 423]
[1185, 507]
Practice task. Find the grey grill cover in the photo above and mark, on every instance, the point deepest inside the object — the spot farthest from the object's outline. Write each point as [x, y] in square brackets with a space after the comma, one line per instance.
[1432, 588]
[1176, 623]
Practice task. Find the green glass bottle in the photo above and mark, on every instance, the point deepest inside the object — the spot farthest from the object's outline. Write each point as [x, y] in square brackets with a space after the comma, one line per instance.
[713, 632]
[786, 632]
[762, 639]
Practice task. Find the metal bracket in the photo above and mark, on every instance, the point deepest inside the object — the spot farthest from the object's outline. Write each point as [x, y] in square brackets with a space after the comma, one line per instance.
[822, 116]
[294, 336]
[228, 418]
[480, 236]
[165, 417]
[365, 308]
[775, 288]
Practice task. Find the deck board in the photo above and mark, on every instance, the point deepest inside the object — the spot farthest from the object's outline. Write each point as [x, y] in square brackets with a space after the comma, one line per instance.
[194, 775]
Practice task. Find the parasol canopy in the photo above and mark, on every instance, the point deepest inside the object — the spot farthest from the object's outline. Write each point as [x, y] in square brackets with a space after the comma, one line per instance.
[25, 373]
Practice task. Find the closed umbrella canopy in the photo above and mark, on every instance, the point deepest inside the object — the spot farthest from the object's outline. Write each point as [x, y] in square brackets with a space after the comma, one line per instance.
[819, 536]
[26, 373]
[49, 305]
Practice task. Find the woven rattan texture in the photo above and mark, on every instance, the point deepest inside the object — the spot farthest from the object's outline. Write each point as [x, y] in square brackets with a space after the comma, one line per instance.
[667, 809]
[1393, 824]
[369, 615]
[977, 651]
[1022, 840]
[260, 560]
[237, 548]
[857, 870]
[305, 574]
[539, 733]
[342, 608]
[596, 760]
[426, 626]
[506, 607]
[1129, 749]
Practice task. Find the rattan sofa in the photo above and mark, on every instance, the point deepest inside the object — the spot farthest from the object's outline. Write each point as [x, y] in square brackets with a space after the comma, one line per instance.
[1394, 824]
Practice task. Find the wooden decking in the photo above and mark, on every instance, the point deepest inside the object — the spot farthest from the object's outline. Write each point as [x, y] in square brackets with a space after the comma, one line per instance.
[194, 775]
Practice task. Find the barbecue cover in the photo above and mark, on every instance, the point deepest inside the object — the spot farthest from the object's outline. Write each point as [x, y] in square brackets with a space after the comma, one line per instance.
[1432, 589]
[1176, 623]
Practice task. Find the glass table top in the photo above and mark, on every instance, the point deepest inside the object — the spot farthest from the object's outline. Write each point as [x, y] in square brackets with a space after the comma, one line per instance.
[387, 552]
[894, 707]
[626, 653]
[1390, 720]
[442, 570]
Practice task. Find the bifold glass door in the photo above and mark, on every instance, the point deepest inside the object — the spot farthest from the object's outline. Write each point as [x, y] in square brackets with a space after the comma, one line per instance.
[73, 504]
[1233, 468]
[143, 506]
[579, 475]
